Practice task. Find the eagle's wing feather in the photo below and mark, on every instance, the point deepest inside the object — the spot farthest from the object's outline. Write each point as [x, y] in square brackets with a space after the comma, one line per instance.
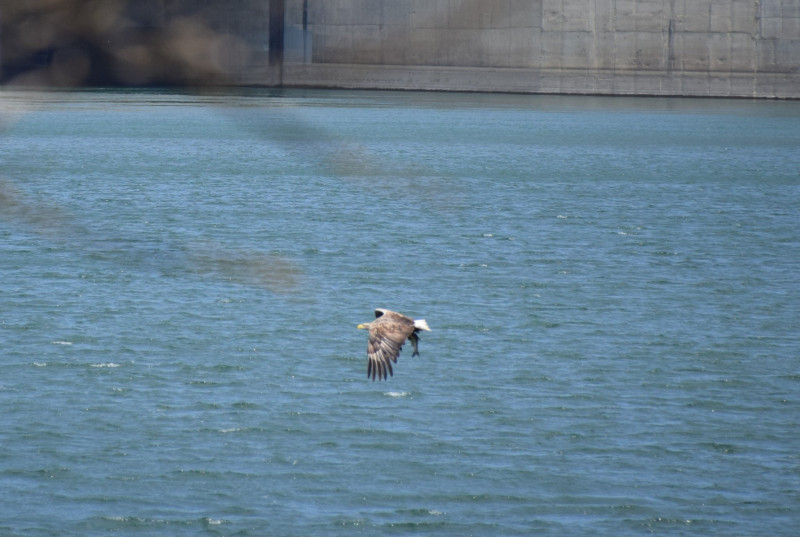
[384, 345]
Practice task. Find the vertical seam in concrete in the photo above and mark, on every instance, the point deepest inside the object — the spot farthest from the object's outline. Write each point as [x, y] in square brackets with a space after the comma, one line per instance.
[563, 47]
[276, 31]
[614, 63]
[671, 38]
[593, 29]
[756, 46]
[539, 63]
[709, 49]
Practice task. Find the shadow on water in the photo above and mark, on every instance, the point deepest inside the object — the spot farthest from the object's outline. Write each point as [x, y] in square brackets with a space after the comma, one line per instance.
[200, 47]
[120, 43]
[265, 270]
[318, 128]
[45, 220]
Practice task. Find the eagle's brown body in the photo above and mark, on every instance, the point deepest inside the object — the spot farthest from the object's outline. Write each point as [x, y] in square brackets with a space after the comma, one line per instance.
[387, 334]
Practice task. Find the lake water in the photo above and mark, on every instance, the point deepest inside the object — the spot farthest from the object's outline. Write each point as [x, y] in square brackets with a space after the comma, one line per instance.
[612, 286]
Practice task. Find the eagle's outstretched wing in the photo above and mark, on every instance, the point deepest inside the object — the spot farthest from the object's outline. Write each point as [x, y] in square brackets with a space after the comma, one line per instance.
[386, 339]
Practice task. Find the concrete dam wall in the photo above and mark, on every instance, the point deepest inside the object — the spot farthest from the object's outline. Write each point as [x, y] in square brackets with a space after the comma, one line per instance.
[724, 48]
[741, 48]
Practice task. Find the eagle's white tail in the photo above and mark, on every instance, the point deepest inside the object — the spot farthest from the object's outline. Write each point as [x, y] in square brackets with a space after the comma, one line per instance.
[421, 324]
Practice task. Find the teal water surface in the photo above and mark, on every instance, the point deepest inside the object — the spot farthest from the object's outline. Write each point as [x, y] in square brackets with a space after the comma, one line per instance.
[612, 286]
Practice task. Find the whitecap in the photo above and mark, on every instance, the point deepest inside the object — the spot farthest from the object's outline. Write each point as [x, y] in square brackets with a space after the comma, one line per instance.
[397, 394]
[105, 364]
[59, 342]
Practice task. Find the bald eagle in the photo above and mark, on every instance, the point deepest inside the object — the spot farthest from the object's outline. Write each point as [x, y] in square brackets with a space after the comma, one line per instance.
[387, 334]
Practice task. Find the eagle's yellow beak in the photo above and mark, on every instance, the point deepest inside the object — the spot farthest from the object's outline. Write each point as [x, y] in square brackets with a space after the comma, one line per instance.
[361, 327]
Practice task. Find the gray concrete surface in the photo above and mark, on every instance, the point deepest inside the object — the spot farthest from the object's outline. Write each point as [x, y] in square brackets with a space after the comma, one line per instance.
[742, 48]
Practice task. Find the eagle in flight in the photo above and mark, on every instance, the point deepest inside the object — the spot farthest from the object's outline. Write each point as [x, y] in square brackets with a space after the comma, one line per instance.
[387, 334]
